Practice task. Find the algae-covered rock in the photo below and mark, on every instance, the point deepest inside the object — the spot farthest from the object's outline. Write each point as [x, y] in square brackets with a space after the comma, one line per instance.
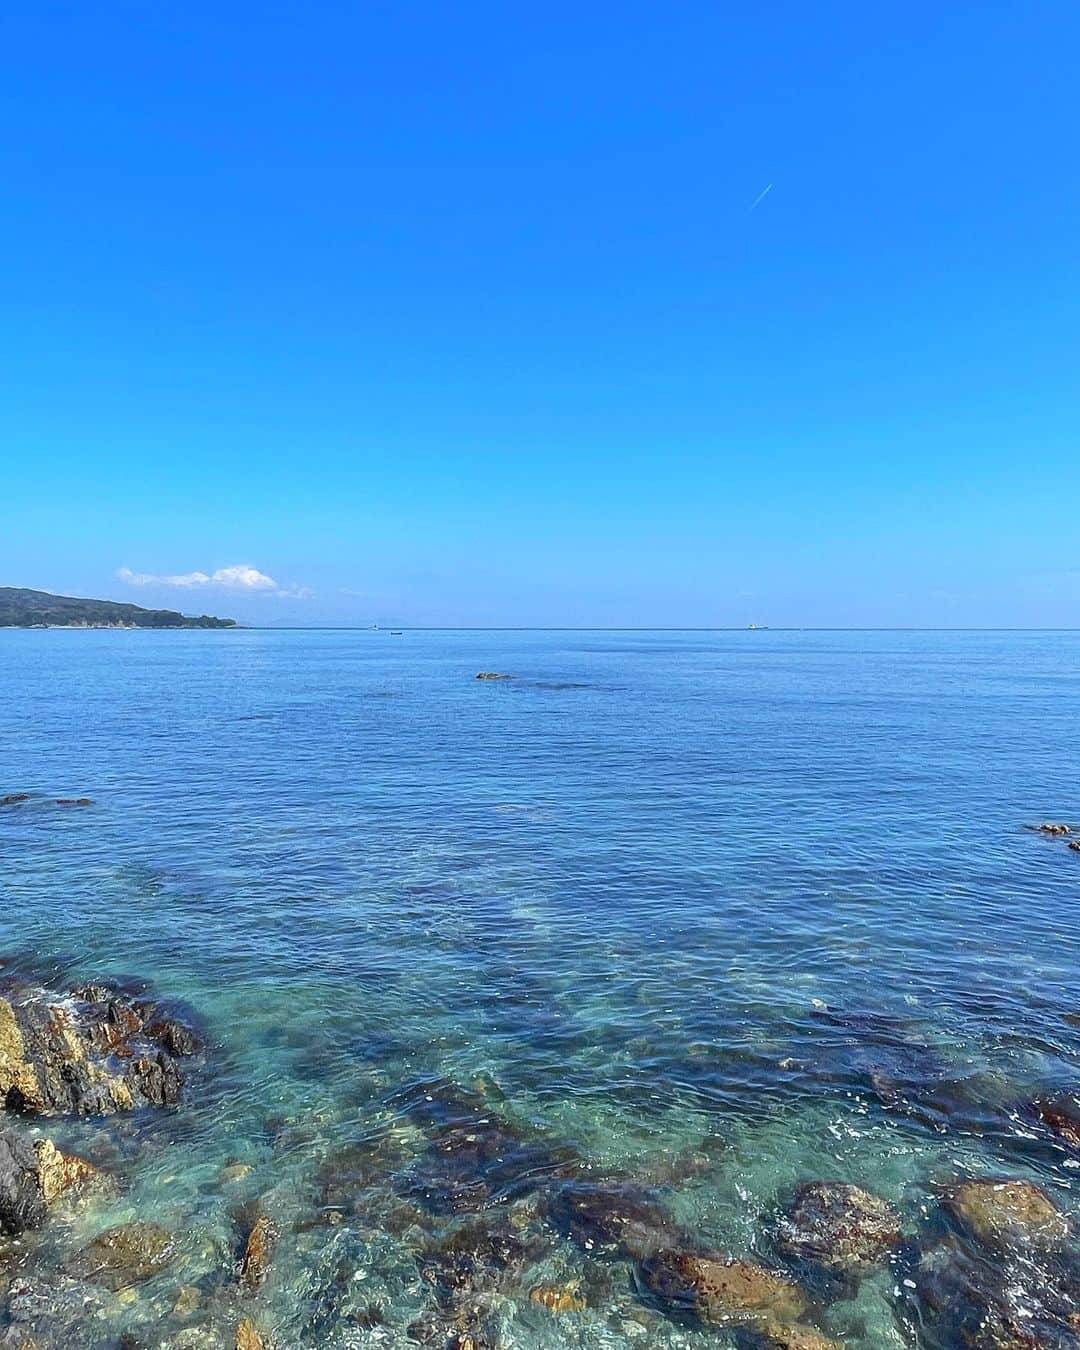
[126, 1255]
[712, 1288]
[1001, 1213]
[838, 1226]
[617, 1217]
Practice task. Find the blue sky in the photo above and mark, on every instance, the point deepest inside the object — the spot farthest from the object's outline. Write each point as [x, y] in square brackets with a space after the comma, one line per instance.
[462, 314]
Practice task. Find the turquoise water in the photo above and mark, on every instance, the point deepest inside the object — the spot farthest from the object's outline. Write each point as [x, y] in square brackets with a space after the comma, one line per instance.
[721, 912]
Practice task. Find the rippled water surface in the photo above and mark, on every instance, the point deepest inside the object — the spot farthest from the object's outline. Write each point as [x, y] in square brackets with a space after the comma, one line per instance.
[705, 914]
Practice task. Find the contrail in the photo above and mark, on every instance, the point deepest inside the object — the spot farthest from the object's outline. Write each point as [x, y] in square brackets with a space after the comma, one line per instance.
[759, 199]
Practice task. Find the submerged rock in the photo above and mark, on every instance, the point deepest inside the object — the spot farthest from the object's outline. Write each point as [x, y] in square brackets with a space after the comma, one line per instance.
[715, 1289]
[15, 799]
[557, 1298]
[1062, 1117]
[795, 1336]
[960, 1296]
[93, 1051]
[475, 1157]
[32, 1176]
[126, 1255]
[258, 1252]
[838, 1226]
[617, 1217]
[493, 675]
[248, 1336]
[74, 801]
[1003, 1213]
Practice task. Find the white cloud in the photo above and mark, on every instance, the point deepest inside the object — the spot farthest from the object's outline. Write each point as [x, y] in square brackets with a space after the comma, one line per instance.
[240, 577]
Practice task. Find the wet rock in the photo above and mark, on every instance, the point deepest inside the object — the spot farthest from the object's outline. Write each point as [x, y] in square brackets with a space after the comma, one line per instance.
[616, 1217]
[258, 1253]
[87, 1052]
[1062, 1117]
[32, 1176]
[1074, 844]
[234, 1172]
[248, 1336]
[718, 1290]
[475, 1157]
[74, 801]
[60, 1172]
[1004, 1213]
[187, 1300]
[180, 1041]
[473, 1257]
[838, 1226]
[557, 1298]
[1049, 827]
[493, 675]
[15, 799]
[957, 1295]
[22, 1196]
[124, 1256]
[795, 1336]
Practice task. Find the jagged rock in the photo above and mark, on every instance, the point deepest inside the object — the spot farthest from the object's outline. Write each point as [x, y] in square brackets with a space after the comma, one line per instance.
[838, 1226]
[473, 1257]
[1074, 844]
[93, 1051]
[60, 1172]
[1049, 827]
[613, 1216]
[248, 1337]
[1000, 1213]
[126, 1255]
[711, 1288]
[258, 1252]
[15, 799]
[32, 1176]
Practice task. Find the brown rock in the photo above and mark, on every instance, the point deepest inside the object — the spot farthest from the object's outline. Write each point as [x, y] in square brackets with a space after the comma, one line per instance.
[557, 1298]
[795, 1336]
[1063, 1117]
[1053, 828]
[719, 1290]
[248, 1336]
[258, 1252]
[61, 1171]
[187, 1300]
[66, 1057]
[999, 1213]
[126, 1255]
[839, 1226]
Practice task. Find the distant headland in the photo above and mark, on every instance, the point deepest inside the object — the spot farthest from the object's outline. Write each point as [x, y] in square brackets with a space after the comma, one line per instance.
[20, 608]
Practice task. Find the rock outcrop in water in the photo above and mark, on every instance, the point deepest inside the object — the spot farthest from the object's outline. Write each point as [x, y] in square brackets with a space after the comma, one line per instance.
[839, 1227]
[92, 1051]
[32, 1176]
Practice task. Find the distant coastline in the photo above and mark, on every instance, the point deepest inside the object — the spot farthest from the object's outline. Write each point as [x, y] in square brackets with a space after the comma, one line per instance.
[23, 608]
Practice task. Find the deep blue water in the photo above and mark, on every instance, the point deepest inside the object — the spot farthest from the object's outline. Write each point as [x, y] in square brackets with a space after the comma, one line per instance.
[721, 911]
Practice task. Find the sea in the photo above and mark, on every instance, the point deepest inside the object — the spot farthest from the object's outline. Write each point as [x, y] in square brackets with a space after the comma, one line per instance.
[698, 916]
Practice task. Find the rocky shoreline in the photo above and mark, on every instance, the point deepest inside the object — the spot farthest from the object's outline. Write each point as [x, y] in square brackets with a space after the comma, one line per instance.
[486, 1203]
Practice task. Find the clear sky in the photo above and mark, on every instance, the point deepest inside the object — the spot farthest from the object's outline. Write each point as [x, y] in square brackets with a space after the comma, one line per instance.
[696, 313]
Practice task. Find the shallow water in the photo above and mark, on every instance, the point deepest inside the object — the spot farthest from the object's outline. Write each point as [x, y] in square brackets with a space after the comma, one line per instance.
[723, 912]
